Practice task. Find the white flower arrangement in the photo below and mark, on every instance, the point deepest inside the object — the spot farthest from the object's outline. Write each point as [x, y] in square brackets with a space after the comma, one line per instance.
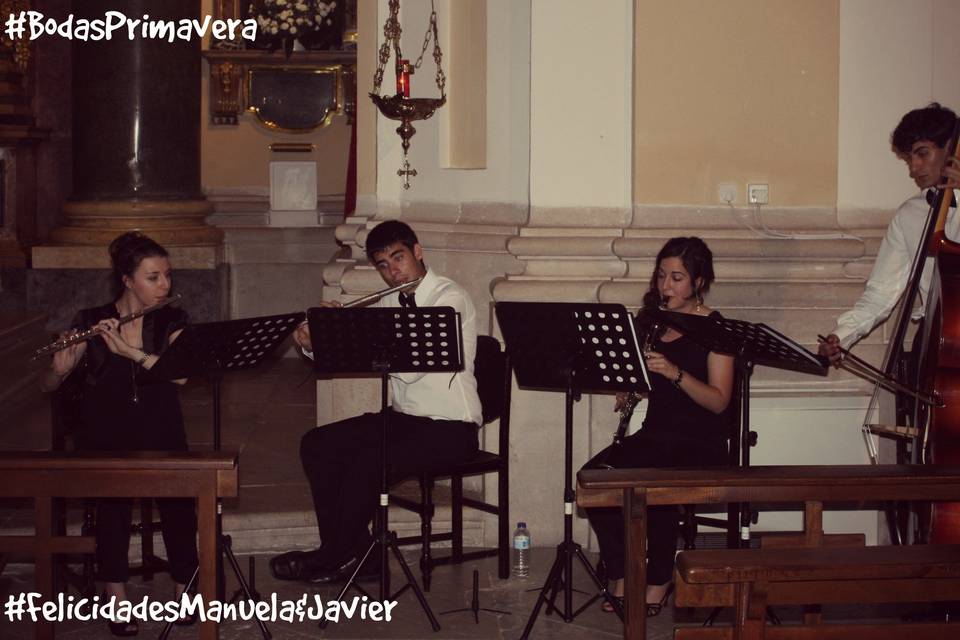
[281, 19]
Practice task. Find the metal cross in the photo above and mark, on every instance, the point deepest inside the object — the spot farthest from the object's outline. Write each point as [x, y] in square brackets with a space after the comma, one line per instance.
[406, 173]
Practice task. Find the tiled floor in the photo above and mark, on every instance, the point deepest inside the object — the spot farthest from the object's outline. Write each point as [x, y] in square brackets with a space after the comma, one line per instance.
[263, 414]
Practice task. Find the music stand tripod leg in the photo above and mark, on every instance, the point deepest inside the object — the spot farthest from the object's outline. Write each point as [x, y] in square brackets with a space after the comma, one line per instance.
[384, 539]
[561, 573]
[224, 541]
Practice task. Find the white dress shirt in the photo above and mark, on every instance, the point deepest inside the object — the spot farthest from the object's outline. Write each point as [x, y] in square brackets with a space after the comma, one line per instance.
[891, 270]
[440, 396]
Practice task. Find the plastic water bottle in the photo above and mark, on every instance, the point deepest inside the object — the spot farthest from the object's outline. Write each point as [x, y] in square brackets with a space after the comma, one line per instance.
[521, 551]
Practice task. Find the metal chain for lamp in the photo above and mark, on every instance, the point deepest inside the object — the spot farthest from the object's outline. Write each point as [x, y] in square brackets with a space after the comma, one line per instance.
[391, 34]
[399, 107]
[437, 53]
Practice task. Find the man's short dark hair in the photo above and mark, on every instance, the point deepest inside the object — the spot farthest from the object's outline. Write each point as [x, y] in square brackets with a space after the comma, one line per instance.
[386, 233]
[933, 122]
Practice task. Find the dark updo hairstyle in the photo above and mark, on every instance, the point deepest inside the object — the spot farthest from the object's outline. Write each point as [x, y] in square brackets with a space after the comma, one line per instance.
[386, 233]
[933, 122]
[127, 251]
[697, 260]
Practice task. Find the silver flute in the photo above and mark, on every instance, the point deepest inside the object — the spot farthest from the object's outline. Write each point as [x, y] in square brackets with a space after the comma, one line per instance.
[63, 343]
[373, 297]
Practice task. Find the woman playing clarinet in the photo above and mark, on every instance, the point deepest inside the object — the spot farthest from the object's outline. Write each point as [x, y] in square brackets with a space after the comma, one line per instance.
[685, 424]
[120, 414]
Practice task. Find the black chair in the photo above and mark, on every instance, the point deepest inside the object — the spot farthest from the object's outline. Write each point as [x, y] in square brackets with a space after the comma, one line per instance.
[493, 373]
[690, 521]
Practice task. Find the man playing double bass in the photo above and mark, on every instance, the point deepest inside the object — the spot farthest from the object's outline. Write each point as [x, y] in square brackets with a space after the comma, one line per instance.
[920, 140]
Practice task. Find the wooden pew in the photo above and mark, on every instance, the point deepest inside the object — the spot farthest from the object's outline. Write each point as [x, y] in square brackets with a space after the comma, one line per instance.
[750, 580]
[44, 476]
[635, 489]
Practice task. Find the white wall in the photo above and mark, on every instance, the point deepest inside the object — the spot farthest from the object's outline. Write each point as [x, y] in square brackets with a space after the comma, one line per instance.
[506, 176]
[581, 95]
[895, 55]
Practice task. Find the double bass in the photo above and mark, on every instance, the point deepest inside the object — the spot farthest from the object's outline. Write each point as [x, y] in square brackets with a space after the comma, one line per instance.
[934, 393]
[939, 364]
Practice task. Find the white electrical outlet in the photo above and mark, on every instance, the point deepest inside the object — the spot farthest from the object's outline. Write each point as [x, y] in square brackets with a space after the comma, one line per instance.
[727, 192]
[758, 193]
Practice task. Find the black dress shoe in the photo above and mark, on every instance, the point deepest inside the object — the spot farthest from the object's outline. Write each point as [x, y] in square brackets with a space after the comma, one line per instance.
[295, 565]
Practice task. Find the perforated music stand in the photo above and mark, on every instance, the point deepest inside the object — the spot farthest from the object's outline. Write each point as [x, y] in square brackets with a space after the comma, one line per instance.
[385, 341]
[213, 349]
[572, 347]
[751, 344]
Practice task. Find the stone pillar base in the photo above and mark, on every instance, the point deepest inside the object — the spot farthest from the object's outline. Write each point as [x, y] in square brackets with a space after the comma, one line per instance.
[169, 222]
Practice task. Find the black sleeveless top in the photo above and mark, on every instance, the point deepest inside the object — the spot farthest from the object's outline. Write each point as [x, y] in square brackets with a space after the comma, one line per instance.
[671, 413]
[111, 419]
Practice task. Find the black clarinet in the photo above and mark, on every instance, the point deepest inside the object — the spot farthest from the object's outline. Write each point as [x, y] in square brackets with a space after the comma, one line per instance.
[626, 412]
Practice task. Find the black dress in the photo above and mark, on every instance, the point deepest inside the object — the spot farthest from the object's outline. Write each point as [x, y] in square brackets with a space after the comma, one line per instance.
[118, 414]
[677, 432]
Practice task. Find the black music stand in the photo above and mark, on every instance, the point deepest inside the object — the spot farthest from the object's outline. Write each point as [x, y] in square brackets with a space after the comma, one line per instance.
[212, 349]
[385, 341]
[751, 344]
[574, 348]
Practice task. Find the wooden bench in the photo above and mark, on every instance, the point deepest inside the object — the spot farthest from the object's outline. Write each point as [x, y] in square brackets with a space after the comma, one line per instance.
[866, 485]
[750, 580]
[44, 476]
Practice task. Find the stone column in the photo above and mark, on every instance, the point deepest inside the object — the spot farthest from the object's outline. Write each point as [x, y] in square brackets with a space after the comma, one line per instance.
[136, 165]
[18, 176]
[136, 133]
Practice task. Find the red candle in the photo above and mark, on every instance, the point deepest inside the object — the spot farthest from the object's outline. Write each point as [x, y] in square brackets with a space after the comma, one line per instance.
[403, 78]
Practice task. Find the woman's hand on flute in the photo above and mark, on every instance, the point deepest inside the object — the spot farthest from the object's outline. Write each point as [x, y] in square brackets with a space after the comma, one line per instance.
[65, 360]
[110, 330]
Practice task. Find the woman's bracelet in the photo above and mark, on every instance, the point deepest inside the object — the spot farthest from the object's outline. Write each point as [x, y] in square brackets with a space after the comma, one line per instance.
[143, 358]
[679, 378]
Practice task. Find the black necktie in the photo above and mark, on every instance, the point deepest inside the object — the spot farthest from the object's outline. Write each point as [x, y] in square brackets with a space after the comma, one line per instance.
[407, 299]
[932, 196]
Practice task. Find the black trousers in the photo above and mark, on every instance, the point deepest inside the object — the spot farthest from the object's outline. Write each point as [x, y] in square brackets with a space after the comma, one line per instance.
[179, 527]
[161, 430]
[646, 450]
[342, 463]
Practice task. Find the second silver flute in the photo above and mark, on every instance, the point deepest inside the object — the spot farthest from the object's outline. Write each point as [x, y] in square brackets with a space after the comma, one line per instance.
[373, 297]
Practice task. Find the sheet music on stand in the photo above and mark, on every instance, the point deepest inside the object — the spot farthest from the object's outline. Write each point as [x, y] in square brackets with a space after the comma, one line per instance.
[231, 345]
[543, 338]
[414, 339]
[756, 341]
